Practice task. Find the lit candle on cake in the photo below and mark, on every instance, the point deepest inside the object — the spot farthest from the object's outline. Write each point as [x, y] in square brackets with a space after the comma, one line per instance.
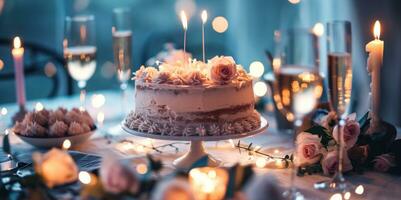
[184, 22]
[204, 19]
[18, 56]
[208, 183]
[375, 61]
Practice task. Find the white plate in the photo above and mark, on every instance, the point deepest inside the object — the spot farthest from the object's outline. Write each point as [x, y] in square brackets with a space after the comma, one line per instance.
[56, 142]
[263, 127]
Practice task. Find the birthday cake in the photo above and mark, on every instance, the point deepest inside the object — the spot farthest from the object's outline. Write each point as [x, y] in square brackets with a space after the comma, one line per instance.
[193, 98]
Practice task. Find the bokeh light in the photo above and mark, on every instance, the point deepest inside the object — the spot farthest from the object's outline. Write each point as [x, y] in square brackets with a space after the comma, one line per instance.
[3, 111]
[318, 29]
[100, 118]
[256, 69]
[141, 168]
[260, 88]
[260, 162]
[336, 196]
[359, 190]
[1, 63]
[294, 1]
[39, 106]
[347, 195]
[50, 69]
[98, 100]
[67, 144]
[220, 24]
[84, 177]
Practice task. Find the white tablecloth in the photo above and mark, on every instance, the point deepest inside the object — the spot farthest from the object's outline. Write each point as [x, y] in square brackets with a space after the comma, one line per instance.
[376, 185]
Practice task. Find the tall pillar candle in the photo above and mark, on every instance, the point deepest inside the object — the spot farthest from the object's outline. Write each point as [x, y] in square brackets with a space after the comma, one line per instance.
[18, 57]
[375, 62]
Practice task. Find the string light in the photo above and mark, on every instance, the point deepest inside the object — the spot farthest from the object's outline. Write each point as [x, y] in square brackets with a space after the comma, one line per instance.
[66, 144]
[336, 196]
[256, 69]
[347, 195]
[359, 190]
[3, 111]
[318, 29]
[261, 162]
[141, 168]
[84, 177]
[39, 106]
[260, 89]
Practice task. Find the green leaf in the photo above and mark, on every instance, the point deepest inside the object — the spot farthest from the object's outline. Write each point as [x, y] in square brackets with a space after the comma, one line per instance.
[322, 132]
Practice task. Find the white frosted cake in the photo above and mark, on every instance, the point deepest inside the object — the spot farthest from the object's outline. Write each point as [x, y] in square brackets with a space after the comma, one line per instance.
[194, 99]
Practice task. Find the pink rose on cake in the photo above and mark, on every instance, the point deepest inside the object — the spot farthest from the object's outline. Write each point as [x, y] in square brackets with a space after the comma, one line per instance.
[223, 69]
[384, 162]
[330, 163]
[117, 176]
[350, 130]
[309, 149]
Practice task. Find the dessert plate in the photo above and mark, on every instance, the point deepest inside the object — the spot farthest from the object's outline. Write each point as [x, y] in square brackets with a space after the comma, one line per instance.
[56, 142]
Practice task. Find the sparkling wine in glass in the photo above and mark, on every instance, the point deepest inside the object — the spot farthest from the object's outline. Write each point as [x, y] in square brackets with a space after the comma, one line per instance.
[80, 50]
[339, 80]
[298, 85]
[122, 48]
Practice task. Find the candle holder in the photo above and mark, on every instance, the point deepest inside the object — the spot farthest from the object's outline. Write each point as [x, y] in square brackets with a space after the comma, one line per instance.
[196, 150]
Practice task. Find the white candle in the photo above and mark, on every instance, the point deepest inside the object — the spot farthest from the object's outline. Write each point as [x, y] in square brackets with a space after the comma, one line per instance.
[18, 56]
[375, 61]
[184, 22]
[204, 19]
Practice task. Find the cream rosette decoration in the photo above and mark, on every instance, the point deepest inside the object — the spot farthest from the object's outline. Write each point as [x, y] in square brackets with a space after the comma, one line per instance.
[309, 149]
[56, 167]
[146, 74]
[117, 176]
[222, 69]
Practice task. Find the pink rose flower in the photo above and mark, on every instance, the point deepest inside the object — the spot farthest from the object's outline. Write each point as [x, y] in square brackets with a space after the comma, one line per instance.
[384, 162]
[330, 163]
[117, 176]
[177, 56]
[309, 149]
[223, 69]
[351, 132]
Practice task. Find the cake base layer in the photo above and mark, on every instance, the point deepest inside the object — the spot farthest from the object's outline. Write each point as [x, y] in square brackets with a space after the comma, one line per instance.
[174, 127]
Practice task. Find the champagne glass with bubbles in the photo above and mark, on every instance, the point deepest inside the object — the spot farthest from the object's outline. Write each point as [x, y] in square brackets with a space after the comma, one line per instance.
[297, 85]
[80, 50]
[122, 47]
[339, 80]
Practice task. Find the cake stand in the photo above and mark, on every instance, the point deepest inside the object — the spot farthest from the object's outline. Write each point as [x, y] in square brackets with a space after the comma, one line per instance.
[197, 150]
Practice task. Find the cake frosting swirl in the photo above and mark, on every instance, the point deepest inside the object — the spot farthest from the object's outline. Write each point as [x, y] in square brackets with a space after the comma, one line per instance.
[194, 99]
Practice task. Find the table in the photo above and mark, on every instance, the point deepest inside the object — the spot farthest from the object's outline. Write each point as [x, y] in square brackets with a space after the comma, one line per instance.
[376, 185]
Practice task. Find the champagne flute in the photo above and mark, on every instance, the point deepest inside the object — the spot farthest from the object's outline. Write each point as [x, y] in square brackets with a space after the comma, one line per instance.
[80, 50]
[122, 47]
[340, 85]
[298, 85]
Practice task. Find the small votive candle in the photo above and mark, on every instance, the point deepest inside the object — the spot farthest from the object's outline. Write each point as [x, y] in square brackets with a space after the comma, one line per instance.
[208, 183]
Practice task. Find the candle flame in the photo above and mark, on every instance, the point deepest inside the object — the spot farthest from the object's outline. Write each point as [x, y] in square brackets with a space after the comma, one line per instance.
[204, 16]
[376, 29]
[17, 42]
[184, 20]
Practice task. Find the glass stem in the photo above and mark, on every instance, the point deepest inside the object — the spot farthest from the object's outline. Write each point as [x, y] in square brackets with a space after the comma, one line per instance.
[123, 87]
[297, 126]
[82, 95]
[340, 146]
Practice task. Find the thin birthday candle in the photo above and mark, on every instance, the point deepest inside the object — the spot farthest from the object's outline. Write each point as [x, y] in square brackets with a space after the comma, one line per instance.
[184, 22]
[204, 19]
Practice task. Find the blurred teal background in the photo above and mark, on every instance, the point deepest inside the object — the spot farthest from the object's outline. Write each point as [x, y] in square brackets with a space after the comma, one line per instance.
[250, 33]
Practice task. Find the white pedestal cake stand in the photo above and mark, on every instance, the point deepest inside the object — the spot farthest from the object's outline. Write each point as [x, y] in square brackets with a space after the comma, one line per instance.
[197, 149]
